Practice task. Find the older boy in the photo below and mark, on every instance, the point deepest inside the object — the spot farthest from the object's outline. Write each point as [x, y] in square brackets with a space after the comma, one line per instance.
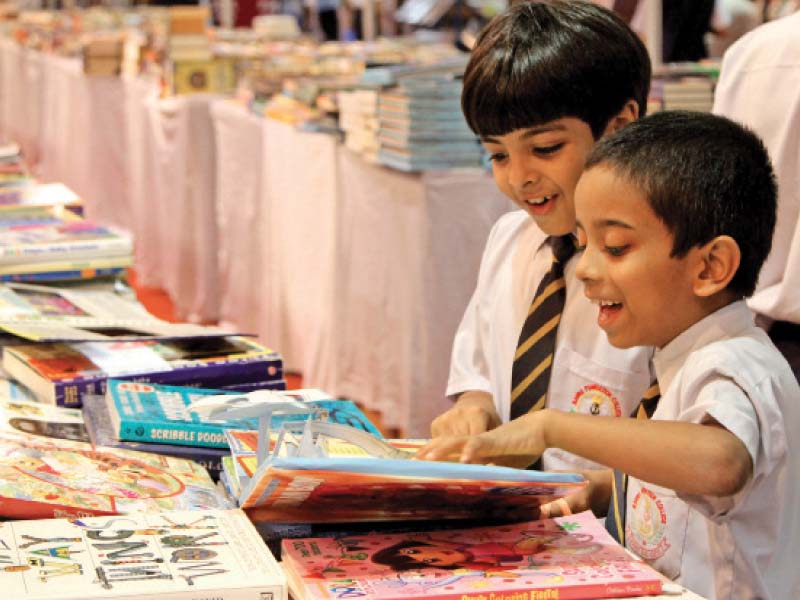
[677, 213]
[545, 81]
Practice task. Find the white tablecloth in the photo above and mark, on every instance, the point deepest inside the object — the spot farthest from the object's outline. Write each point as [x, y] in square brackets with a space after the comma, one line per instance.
[359, 274]
[175, 204]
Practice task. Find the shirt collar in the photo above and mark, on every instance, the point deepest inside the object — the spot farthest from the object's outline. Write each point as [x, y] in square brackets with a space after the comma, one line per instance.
[722, 324]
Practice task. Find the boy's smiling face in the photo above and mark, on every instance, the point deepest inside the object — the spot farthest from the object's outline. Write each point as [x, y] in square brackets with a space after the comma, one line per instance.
[644, 296]
[538, 168]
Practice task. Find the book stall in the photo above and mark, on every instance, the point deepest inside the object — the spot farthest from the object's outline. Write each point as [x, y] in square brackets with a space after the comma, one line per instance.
[309, 207]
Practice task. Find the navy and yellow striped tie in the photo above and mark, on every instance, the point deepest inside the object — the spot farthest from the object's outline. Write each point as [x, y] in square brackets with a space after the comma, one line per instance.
[615, 519]
[530, 374]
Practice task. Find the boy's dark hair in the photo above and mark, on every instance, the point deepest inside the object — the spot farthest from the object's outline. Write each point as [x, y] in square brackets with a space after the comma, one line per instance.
[541, 61]
[703, 176]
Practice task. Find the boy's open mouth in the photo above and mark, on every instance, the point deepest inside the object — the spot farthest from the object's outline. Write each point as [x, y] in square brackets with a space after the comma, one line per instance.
[541, 204]
[608, 311]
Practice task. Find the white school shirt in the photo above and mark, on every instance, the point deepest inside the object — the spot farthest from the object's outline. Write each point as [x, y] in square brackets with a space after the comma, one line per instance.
[588, 374]
[741, 546]
[759, 86]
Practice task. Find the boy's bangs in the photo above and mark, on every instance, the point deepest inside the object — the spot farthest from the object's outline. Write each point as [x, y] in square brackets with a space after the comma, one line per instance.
[498, 113]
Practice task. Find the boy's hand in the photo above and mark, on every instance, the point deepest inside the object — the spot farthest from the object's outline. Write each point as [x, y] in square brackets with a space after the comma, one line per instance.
[520, 441]
[595, 497]
[473, 413]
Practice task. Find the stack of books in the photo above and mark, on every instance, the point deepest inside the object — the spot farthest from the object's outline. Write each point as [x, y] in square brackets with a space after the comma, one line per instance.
[694, 93]
[103, 54]
[49, 242]
[13, 173]
[422, 127]
[194, 68]
[158, 418]
[358, 118]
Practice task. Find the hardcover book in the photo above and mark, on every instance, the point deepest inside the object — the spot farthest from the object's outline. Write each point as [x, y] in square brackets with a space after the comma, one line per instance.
[43, 478]
[61, 373]
[161, 414]
[172, 555]
[567, 558]
[99, 429]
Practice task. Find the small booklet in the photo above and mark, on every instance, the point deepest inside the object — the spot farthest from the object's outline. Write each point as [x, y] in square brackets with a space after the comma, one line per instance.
[301, 478]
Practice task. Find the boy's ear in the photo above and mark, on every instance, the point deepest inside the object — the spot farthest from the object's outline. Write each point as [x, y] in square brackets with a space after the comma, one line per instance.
[717, 263]
[628, 114]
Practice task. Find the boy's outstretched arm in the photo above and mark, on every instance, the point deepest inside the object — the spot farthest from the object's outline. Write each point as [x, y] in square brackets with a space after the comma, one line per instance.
[690, 458]
[473, 413]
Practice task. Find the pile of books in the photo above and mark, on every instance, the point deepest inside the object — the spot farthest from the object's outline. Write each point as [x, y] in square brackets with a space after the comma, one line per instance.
[103, 54]
[50, 242]
[421, 127]
[194, 67]
[14, 176]
[358, 118]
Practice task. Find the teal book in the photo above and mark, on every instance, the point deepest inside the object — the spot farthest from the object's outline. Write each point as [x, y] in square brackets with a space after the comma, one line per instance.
[145, 412]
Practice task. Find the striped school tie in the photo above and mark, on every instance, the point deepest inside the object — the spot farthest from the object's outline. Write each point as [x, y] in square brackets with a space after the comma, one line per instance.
[530, 373]
[615, 519]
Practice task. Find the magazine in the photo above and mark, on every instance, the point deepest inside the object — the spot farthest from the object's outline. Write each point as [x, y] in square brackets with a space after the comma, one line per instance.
[171, 555]
[47, 314]
[569, 557]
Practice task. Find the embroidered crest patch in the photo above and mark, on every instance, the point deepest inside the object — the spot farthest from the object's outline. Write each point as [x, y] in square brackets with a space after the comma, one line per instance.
[594, 399]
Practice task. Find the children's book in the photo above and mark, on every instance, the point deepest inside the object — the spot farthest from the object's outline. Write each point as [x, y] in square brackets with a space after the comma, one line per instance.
[68, 240]
[42, 420]
[63, 271]
[298, 478]
[49, 313]
[101, 433]
[569, 558]
[161, 414]
[43, 478]
[173, 555]
[61, 373]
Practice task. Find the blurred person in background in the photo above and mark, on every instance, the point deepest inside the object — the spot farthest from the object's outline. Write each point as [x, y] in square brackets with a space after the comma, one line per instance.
[759, 86]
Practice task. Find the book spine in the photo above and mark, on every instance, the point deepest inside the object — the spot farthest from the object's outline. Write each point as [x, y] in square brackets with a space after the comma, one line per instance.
[87, 273]
[179, 433]
[65, 250]
[216, 375]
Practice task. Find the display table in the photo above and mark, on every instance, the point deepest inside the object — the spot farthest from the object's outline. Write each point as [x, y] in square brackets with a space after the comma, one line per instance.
[356, 273]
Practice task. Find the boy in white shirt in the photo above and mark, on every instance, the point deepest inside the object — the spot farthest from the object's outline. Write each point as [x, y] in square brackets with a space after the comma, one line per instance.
[677, 213]
[545, 81]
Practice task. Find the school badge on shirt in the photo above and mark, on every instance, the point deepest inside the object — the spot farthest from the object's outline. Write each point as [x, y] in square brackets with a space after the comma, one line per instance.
[645, 531]
[594, 399]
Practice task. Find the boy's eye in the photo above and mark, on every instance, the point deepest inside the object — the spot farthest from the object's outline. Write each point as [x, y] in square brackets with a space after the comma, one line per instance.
[616, 250]
[497, 156]
[545, 150]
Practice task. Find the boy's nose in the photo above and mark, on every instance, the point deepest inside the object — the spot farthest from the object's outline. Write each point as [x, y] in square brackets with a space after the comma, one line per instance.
[522, 176]
[584, 269]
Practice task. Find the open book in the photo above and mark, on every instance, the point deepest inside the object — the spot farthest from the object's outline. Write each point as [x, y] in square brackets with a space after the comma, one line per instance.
[314, 471]
[47, 314]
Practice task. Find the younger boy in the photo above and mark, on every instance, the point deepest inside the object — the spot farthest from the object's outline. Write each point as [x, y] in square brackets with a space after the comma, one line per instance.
[677, 213]
[544, 82]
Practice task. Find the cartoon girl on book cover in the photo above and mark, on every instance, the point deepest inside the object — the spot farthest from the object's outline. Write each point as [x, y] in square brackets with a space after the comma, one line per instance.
[549, 546]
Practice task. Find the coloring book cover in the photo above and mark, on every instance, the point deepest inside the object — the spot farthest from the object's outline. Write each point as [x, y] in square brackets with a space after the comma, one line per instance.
[43, 478]
[567, 557]
[211, 554]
